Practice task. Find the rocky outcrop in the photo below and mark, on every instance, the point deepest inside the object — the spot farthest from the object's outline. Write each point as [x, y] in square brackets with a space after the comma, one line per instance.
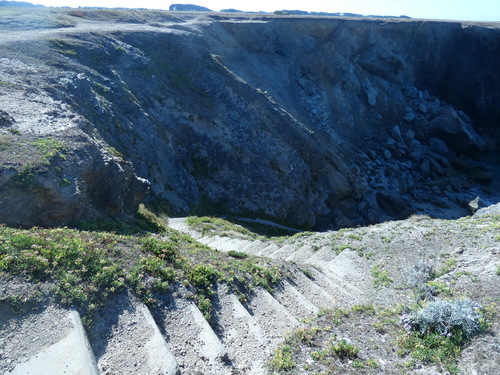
[64, 181]
[313, 122]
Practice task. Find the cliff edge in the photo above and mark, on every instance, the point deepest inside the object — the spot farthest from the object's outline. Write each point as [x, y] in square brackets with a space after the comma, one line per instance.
[315, 122]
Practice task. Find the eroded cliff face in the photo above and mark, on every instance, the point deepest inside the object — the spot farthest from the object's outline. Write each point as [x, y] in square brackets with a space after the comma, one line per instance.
[63, 180]
[314, 122]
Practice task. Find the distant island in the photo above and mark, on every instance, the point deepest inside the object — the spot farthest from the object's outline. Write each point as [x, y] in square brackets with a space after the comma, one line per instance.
[198, 8]
[188, 8]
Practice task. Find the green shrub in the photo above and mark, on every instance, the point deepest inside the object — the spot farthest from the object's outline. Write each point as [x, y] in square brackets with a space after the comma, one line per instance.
[418, 278]
[5, 142]
[237, 254]
[144, 221]
[437, 333]
[25, 179]
[214, 226]
[454, 317]
[282, 359]
[367, 309]
[345, 350]
[50, 149]
[304, 335]
[85, 268]
[381, 278]
[202, 276]
[165, 250]
[149, 221]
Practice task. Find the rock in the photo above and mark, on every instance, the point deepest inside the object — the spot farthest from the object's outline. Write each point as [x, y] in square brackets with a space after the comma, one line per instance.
[371, 96]
[361, 186]
[440, 201]
[257, 117]
[362, 206]
[480, 175]
[409, 116]
[424, 168]
[413, 144]
[411, 92]
[455, 132]
[402, 185]
[420, 125]
[409, 135]
[402, 145]
[132, 58]
[83, 185]
[442, 160]
[393, 205]
[455, 183]
[423, 107]
[415, 156]
[475, 205]
[396, 132]
[436, 190]
[438, 145]
[5, 119]
[490, 210]
[407, 164]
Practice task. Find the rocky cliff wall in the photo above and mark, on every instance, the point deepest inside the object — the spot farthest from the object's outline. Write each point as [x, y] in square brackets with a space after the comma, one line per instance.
[314, 122]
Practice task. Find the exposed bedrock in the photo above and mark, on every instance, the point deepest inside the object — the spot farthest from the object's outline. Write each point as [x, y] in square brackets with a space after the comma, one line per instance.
[314, 122]
[81, 183]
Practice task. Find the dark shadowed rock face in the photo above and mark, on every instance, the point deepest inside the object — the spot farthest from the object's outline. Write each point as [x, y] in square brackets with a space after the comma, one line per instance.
[315, 122]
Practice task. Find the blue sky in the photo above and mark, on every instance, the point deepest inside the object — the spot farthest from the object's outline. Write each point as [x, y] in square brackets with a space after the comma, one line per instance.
[478, 10]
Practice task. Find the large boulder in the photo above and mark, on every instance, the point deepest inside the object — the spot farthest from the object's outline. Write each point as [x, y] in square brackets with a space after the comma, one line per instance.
[455, 129]
[493, 210]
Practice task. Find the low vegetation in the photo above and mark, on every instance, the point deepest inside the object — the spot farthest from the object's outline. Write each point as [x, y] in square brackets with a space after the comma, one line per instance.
[211, 225]
[437, 333]
[322, 346]
[380, 277]
[83, 268]
[231, 227]
[334, 341]
[429, 329]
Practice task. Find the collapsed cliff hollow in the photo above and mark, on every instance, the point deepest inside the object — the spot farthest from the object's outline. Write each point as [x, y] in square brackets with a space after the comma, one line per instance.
[311, 121]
